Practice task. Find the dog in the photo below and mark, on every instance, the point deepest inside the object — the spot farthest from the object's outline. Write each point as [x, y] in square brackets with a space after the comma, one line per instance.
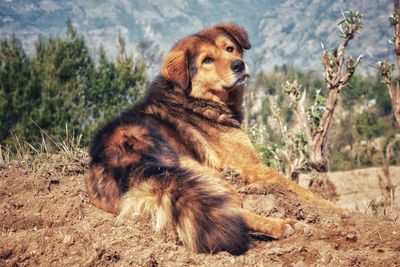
[164, 156]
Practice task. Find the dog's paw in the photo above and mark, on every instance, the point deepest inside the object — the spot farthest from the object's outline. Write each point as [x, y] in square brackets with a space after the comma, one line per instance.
[254, 189]
[291, 227]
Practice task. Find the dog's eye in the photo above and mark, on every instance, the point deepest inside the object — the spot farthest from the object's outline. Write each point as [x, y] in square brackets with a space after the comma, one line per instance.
[207, 60]
[230, 49]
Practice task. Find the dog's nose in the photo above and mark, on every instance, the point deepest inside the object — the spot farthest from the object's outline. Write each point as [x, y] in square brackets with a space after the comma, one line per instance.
[237, 66]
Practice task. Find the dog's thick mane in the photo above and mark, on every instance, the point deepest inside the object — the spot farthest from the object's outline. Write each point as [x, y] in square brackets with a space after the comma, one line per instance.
[176, 99]
[163, 92]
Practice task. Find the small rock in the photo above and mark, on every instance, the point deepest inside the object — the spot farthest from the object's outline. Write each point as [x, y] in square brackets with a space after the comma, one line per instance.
[68, 240]
[232, 261]
[381, 250]
[311, 218]
[307, 231]
[351, 237]
[299, 226]
[327, 259]
[188, 261]
[302, 249]
[300, 214]
[288, 231]
[279, 252]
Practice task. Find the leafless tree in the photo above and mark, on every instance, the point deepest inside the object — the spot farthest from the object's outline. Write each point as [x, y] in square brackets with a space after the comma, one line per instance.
[386, 70]
[314, 123]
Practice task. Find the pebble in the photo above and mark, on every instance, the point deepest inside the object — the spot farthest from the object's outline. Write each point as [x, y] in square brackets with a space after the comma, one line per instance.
[68, 240]
[302, 249]
[301, 227]
[298, 226]
[351, 237]
[288, 231]
[300, 215]
[327, 259]
[307, 231]
[311, 218]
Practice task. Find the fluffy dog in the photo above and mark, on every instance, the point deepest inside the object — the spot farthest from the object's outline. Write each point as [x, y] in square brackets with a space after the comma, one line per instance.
[164, 155]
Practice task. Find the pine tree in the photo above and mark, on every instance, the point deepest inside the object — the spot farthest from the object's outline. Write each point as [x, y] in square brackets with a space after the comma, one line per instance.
[16, 95]
[64, 67]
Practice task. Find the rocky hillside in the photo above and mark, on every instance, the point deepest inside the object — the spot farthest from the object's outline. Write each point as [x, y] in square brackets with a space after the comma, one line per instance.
[282, 31]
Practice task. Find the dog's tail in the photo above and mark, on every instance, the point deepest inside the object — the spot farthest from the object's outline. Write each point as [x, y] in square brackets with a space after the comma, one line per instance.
[200, 207]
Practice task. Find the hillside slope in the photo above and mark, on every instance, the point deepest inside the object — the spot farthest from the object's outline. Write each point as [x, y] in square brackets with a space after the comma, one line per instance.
[47, 220]
[287, 31]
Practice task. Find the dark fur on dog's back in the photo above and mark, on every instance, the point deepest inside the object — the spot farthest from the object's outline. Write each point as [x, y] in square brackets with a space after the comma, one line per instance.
[141, 151]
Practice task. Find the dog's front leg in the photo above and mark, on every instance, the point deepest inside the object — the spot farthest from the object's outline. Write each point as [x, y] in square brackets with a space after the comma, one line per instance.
[239, 153]
[260, 178]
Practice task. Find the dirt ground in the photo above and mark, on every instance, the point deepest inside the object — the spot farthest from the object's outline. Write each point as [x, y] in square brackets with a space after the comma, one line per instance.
[47, 220]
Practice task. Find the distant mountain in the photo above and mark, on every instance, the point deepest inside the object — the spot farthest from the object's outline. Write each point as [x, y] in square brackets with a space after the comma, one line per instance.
[281, 31]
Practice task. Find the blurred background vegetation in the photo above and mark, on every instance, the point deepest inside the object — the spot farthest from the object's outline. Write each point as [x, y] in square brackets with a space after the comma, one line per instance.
[362, 121]
[61, 85]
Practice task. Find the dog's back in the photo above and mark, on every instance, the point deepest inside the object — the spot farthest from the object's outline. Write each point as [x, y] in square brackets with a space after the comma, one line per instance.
[144, 162]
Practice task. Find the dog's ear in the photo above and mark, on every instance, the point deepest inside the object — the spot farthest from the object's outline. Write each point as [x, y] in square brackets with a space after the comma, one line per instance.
[176, 67]
[236, 32]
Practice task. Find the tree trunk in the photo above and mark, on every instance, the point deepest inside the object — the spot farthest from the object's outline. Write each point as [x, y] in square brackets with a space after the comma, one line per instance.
[294, 176]
[395, 92]
[321, 185]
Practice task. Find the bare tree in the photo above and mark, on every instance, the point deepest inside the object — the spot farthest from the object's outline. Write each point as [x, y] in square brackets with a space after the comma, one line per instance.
[386, 70]
[337, 73]
[385, 183]
[310, 152]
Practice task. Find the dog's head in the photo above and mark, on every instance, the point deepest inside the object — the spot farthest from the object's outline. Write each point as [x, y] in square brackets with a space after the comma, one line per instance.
[209, 64]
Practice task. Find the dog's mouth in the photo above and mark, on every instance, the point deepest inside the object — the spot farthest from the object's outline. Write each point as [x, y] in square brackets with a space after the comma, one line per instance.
[242, 79]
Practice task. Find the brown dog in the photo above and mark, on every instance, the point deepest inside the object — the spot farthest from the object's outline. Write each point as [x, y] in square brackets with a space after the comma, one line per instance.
[164, 155]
